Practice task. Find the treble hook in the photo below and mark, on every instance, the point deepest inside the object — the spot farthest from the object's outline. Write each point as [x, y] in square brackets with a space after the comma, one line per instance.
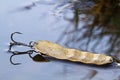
[37, 57]
[14, 43]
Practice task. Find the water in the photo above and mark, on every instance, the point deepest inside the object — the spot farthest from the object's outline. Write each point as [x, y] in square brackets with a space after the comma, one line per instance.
[38, 24]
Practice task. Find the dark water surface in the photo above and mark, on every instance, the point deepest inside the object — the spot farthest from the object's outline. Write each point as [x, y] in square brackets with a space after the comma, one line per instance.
[40, 24]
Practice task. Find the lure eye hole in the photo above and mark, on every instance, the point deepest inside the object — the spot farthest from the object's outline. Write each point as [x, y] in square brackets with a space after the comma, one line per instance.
[111, 60]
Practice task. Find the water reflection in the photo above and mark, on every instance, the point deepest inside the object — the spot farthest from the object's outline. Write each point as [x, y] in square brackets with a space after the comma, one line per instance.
[90, 75]
[28, 7]
[98, 19]
[100, 30]
[94, 30]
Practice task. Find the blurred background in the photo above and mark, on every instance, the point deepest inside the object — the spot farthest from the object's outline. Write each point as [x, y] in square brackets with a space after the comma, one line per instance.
[88, 25]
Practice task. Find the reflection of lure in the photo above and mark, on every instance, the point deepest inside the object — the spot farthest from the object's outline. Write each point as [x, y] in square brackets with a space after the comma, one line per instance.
[54, 50]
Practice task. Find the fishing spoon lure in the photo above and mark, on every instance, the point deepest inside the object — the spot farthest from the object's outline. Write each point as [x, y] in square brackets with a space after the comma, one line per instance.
[47, 48]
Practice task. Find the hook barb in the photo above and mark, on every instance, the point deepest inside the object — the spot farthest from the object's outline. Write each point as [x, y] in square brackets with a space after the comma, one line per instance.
[12, 61]
[12, 36]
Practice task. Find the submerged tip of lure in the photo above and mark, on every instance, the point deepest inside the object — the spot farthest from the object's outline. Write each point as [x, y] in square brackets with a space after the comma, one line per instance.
[39, 58]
